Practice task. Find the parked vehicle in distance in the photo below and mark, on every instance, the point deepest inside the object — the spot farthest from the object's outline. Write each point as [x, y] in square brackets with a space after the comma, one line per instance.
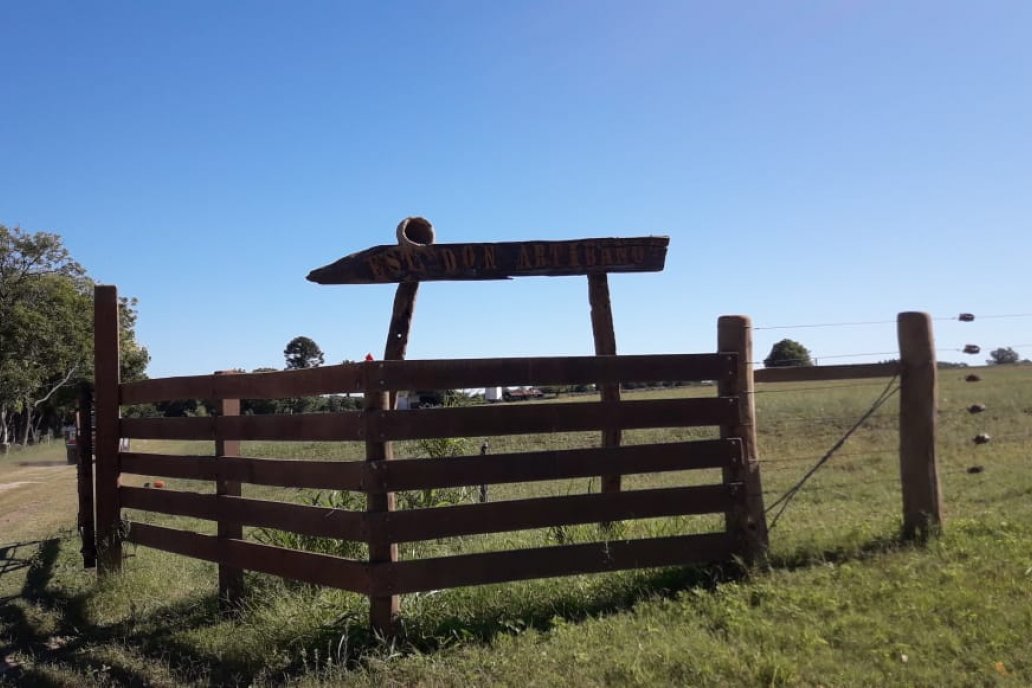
[522, 393]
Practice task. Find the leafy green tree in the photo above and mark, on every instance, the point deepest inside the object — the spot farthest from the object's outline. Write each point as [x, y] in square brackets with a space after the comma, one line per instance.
[46, 342]
[788, 353]
[1003, 356]
[303, 352]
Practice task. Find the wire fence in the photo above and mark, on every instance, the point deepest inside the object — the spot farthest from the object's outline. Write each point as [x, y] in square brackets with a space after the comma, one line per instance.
[984, 429]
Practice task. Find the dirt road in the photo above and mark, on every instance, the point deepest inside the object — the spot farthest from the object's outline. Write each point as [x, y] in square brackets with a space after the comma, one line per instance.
[37, 494]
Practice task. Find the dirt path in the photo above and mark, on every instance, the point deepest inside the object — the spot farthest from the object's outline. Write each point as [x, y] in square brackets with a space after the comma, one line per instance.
[37, 497]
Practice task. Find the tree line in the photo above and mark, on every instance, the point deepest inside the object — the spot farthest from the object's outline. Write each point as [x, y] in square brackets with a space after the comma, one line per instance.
[46, 335]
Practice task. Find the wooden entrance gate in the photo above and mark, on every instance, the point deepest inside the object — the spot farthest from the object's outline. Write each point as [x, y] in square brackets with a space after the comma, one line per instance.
[383, 576]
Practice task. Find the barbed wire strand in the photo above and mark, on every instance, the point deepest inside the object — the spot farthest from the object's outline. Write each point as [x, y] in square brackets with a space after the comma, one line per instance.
[890, 322]
[786, 499]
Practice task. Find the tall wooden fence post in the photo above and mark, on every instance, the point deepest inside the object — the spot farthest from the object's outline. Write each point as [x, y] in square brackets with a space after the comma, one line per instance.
[84, 444]
[748, 521]
[605, 345]
[231, 579]
[383, 609]
[918, 408]
[106, 385]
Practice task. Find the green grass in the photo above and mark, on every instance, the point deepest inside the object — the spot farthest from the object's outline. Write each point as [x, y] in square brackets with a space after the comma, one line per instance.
[844, 603]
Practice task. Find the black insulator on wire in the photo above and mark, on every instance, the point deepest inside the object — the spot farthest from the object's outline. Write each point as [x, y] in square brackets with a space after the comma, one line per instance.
[976, 408]
[966, 317]
[982, 438]
[972, 348]
[973, 378]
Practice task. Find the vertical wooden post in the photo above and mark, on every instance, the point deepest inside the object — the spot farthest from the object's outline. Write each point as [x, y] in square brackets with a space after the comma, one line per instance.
[605, 345]
[84, 443]
[231, 579]
[383, 609]
[747, 520]
[401, 323]
[106, 388]
[918, 408]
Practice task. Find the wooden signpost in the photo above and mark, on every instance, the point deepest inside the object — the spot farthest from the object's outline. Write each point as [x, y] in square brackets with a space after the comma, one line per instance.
[416, 258]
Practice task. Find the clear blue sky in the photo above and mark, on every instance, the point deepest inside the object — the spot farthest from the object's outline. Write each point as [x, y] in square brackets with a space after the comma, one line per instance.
[811, 162]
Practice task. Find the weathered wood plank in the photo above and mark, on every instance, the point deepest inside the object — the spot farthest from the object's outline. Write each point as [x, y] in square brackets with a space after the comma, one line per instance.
[918, 422]
[605, 345]
[381, 264]
[544, 512]
[826, 373]
[401, 324]
[384, 610]
[231, 579]
[273, 385]
[314, 427]
[545, 562]
[84, 475]
[746, 519]
[476, 421]
[327, 475]
[560, 370]
[307, 567]
[106, 358]
[423, 474]
[243, 511]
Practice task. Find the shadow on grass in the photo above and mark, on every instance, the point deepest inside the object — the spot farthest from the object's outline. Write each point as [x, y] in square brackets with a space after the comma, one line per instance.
[804, 557]
[16, 557]
[86, 649]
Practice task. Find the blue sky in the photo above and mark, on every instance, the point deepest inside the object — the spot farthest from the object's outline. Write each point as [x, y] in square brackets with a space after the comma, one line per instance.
[811, 162]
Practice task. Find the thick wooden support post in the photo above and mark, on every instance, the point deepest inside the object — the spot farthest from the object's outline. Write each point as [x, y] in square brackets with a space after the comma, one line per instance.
[106, 373]
[401, 324]
[918, 462]
[383, 609]
[605, 345]
[231, 579]
[84, 444]
[747, 520]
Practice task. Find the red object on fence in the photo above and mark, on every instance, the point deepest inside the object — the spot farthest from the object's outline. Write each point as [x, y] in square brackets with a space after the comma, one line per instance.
[369, 357]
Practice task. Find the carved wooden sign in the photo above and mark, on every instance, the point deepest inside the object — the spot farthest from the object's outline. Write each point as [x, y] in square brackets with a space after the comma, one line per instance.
[426, 263]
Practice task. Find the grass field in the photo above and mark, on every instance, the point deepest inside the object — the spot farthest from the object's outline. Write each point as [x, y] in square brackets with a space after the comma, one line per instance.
[843, 602]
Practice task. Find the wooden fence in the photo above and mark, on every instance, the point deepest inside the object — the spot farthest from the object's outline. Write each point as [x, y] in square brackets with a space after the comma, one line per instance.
[382, 577]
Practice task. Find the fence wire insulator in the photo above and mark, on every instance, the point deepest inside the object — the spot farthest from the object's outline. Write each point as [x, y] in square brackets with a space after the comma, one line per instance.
[972, 348]
[976, 408]
[972, 470]
[973, 378]
[966, 317]
[982, 438]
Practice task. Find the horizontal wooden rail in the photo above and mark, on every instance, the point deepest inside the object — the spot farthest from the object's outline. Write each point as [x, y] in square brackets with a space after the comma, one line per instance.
[345, 378]
[434, 374]
[571, 370]
[307, 567]
[543, 562]
[826, 373]
[476, 421]
[544, 512]
[423, 474]
[295, 518]
[325, 475]
[313, 427]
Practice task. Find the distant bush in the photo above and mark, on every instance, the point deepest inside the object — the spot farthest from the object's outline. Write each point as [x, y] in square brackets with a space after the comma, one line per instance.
[788, 353]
